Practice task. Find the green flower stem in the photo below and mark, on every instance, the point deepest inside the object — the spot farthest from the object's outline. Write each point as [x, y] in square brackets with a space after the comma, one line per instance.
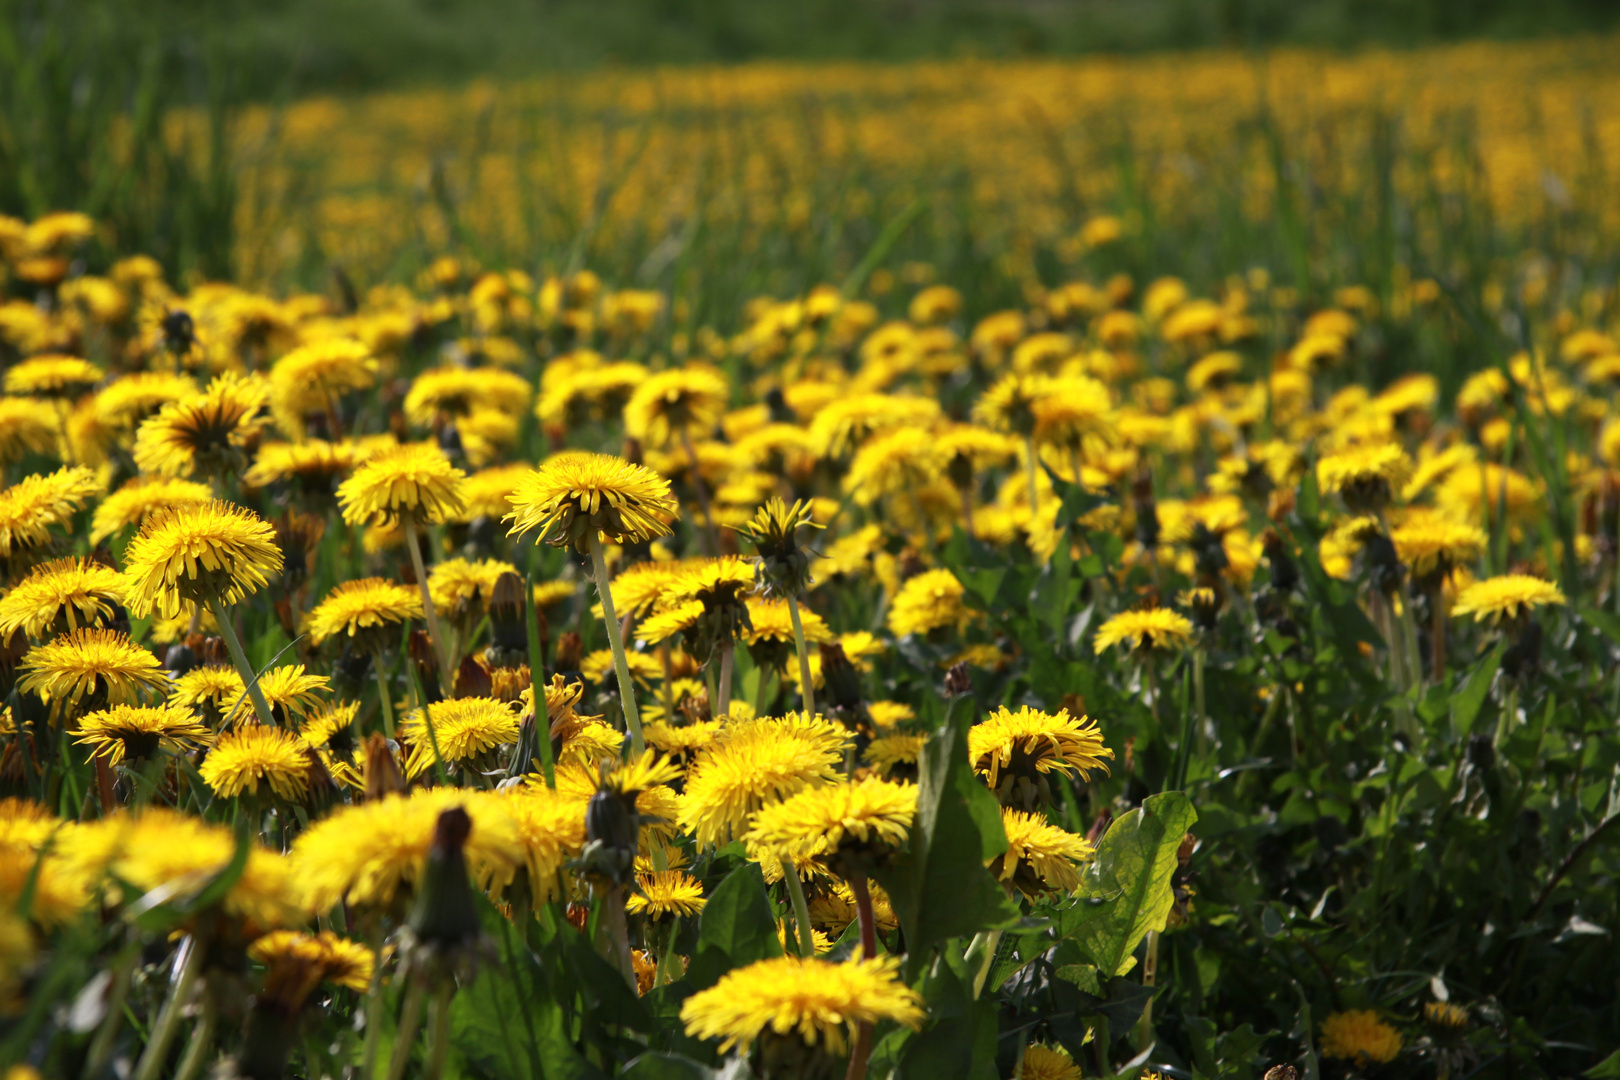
[447, 676]
[801, 907]
[382, 692]
[374, 1008]
[249, 677]
[1034, 488]
[201, 1041]
[618, 933]
[807, 686]
[621, 667]
[863, 1036]
[168, 1021]
[101, 1049]
[542, 717]
[728, 653]
[1510, 713]
[439, 1020]
[405, 1035]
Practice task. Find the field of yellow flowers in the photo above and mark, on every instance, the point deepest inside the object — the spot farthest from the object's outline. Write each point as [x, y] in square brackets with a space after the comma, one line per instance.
[773, 576]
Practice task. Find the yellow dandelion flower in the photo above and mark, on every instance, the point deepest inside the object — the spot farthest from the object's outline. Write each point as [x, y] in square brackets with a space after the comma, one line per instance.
[893, 463]
[1359, 1036]
[25, 429]
[847, 422]
[572, 497]
[676, 403]
[364, 609]
[1151, 629]
[371, 855]
[1508, 596]
[1040, 857]
[464, 729]
[289, 690]
[1433, 546]
[1367, 476]
[681, 740]
[59, 596]
[206, 431]
[932, 600]
[849, 825]
[753, 764]
[52, 376]
[139, 499]
[127, 401]
[550, 827]
[31, 506]
[86, 663]
[339, 960]
[209, 686]
[199, 554]
[1445, 1015]
[415, 479]
[465, 584]
[1030, 742]
[666, 894]
[819, 1002]
[895, 754]
[1009, 405]
[257, 757]
[137, 732]
[455, 391]
[311, 377]
[1048, 1063]
[314, 465]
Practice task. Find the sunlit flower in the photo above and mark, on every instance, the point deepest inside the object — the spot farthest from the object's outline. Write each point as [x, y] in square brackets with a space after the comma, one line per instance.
[666, 894]
[198, 554]
[1509, 596]
[1157, 628]
[31, 506]
[415, 479]
[1432, 547]
[755, 763]
[369, 610]
[1014, 751]
[338, 960]
[128, 731]
[86, 663]
[850, 826]
[681, 401]
[930, 601]
[1040, 857]
[255, 758]
[462, 728]
[52, 377]
[207, 431]
[143, 496]
[1048, 1063]
[1367, 476]
[574, 496]
[58, 596]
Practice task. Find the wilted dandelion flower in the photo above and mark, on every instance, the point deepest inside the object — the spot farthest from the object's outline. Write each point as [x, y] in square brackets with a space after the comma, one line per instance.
[673, 404]
[1359, 1036]
[813, 1002]
[666, 894]
[60, 595]
[136, 732]
[573, 497]
[851, 827]
[207, 431]
[139, 499]
[1040, 857]
[755, 763]
[1014, 751]
[338, 959]
[1506, 597]
[932, 600]
[1152, 629]
[31, 506]
[257, 757]
[87, 663]
[369, 610]
[415, 479]
[201, 554]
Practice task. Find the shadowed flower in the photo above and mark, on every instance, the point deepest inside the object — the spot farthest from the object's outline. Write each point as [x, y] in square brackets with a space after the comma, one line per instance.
[1048, 1063]
[1040, 857]
[136, 732]
[1359, 1036]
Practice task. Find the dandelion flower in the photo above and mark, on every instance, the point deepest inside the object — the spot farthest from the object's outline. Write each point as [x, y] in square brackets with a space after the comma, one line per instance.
[207, 687]
[52, 376]
[58, 596]
[932, 600]
[86, 663]
[200, 554]
[370, 610]
[573, 497]
[1367, 476]
[311, 377]
[852, 827]
[1359, 1036]
[1151, 629]
[820, 1003]
[672, 404]
[207, 431]
[255, 755]
[1433, 547]
[125, 402]
[753, 764]
[415, 479]
[550, 827]
[139, 499]
[290, 691]
[894, 463]
[136, 732]
[1508, 596]
[464, 729]
[895, 755]
[1040, 857]
[666, 894]
[337, 960]
[31, 506]
[314, 465]
[1048, 1063]
[1017, 749]
[25, 429]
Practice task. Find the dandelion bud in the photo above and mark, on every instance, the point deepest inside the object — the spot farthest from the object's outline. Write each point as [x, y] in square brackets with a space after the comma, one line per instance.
[179, 659]
[446, 913]
[1281, 1072]
[611, 828]
[426, 659]
[379, 769]
[959, 680]
[508, 625]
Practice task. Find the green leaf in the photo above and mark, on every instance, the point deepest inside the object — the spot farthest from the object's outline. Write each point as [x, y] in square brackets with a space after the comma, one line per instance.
[737, 927]
[1082, 975]
[941, 888]
[660, 1066]
[493, 1020]
[1467, 701]
[1607, 1069]
[1135, 862]
[959, 1042]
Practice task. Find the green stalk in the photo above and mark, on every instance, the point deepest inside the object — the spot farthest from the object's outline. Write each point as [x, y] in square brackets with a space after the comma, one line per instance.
[542, 718]
[239, 657]
[446, 674]
[382, 692]
[621, 667]
[101, 1049]
[152, 1060]
[374, 1009]
[1150, 977]
[439, 1018]
[405, 1034]
[202, 1039]
[727, 659]
[801, 907]
[807, 686]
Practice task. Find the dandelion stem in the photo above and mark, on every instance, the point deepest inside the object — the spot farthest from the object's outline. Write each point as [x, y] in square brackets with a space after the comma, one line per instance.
[447, 675]
[374, 1008]
[202, 1038]
[405, 1036]
[621, 666]
[249, 677]
[728, 653]
[439, 1018]
[101, 1049]
[168, 1021]
[618, 933]
[807, 685]
[863, 910]
[1150, 977]
[383, 693]
[801, 907]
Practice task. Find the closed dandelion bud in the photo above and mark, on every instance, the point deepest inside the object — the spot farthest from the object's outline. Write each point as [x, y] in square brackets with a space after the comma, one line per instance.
[350, 673]
[424, 656]
[1284, 573]
[1381, 565]
[1281, 1072]
[1208, 551]
[1147, 510]
[379, 768]
[569, 654]
[959, 680]
[179, 659]
[445, 915]
[508, 623]
[611, 831]
[843, 681]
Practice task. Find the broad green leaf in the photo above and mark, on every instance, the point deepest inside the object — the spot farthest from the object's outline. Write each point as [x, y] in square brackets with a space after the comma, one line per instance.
[738, 927]
[959, 1042]
[1470, 697]
[1607, 1069]
[941, 888]
[1135, 862]
[502, 1028]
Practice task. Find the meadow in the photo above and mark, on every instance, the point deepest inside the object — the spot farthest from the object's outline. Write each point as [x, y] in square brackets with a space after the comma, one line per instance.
[1035, 568]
